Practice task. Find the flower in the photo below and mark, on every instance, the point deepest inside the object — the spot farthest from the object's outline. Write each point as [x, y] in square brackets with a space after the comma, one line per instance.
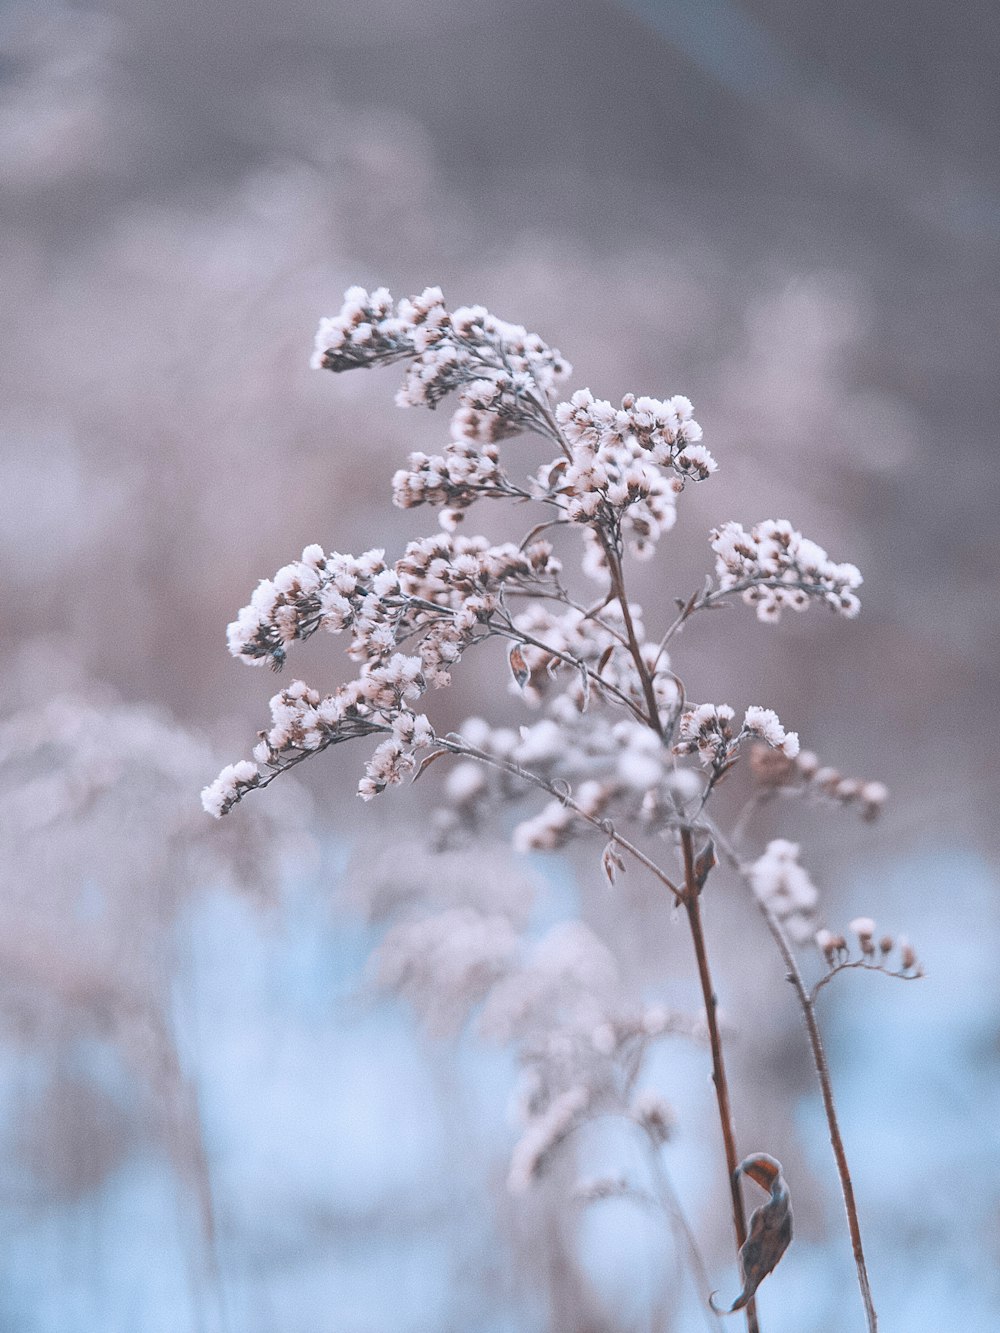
[774, 567]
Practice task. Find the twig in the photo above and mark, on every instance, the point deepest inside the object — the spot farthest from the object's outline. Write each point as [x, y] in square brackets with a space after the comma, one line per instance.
[692, 905]
[863, 965]
[460, 746]
[807, 1005]
[672, 1206]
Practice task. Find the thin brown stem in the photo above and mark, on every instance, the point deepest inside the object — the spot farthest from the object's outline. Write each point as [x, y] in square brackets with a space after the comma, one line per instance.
[807, 1004]
[510, 631]
[692, 905]
[618, 585]
[862, 964]
[460, 746]
[808, 1007]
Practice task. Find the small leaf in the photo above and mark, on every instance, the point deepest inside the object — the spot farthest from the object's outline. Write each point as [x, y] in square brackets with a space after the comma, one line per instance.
[518, 666]
[585, 688]
[605, 658]
[770, 1228]
[704, 863]
[612, 862]
[428, 759]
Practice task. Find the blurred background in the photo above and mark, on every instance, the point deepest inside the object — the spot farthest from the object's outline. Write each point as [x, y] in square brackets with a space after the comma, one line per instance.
[209, 1119]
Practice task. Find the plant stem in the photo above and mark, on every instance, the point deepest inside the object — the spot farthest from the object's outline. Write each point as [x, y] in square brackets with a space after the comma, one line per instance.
[807, 1004]
[456, 745]
[683, 1234]
[618, 585]
[808, 1007]
[692, 905]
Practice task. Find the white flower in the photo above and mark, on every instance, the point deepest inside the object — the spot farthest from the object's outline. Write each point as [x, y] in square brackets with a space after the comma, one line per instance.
[231, 784]
[764, 723]
[775, 567]
[784, 886]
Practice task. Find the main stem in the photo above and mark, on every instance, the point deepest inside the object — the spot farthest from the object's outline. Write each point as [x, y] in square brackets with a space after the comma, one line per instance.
[692, 905]
[618, 587]
[826, 1088]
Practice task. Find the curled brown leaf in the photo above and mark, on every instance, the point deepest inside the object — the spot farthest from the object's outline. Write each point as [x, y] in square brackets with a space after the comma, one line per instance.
[770, 1228]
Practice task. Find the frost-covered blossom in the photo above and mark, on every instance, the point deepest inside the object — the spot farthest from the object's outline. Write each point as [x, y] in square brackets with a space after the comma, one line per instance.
[303, 722]
[783, 885]
[625, 468]
[665, 432]
[502, 371]
[620, 770]
[572, 636]
[864, 928]
[318, 591]
[394, 758]
[453, 480]
[233, 782]
[707, 731]
[382, 607]
[774, 567]
[764, 724]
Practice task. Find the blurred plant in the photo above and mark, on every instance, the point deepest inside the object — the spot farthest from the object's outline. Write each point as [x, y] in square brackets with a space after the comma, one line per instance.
[618, 748]
[88, 917]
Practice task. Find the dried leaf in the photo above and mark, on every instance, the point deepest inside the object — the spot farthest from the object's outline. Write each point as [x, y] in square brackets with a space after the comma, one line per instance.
[428, 759]
[605, 658]
[584, 688]
[612, 862]
[518, 666]
[704, 863]
[770, 1228]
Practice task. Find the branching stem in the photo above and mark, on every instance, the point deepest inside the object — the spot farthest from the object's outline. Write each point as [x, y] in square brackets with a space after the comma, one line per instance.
[808, 1006]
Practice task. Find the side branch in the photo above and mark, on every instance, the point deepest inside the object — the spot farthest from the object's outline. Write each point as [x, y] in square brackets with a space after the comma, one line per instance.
[460, 746]
[807, 1004]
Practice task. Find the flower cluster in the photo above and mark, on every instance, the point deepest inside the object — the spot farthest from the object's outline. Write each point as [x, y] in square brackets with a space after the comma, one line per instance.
[319, 591]
[874, 953]
[503, 371]
[708, 732]
[783, 885]
[616, 471]
[774, 567]
[666, 433]
[604, 769]
[452, 481]
[804, 775]
[438, 579]
[438, 599]
[304, 722]
[232, 784]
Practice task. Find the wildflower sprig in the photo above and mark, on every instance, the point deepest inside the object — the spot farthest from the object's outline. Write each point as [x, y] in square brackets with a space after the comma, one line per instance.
[613, 731]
